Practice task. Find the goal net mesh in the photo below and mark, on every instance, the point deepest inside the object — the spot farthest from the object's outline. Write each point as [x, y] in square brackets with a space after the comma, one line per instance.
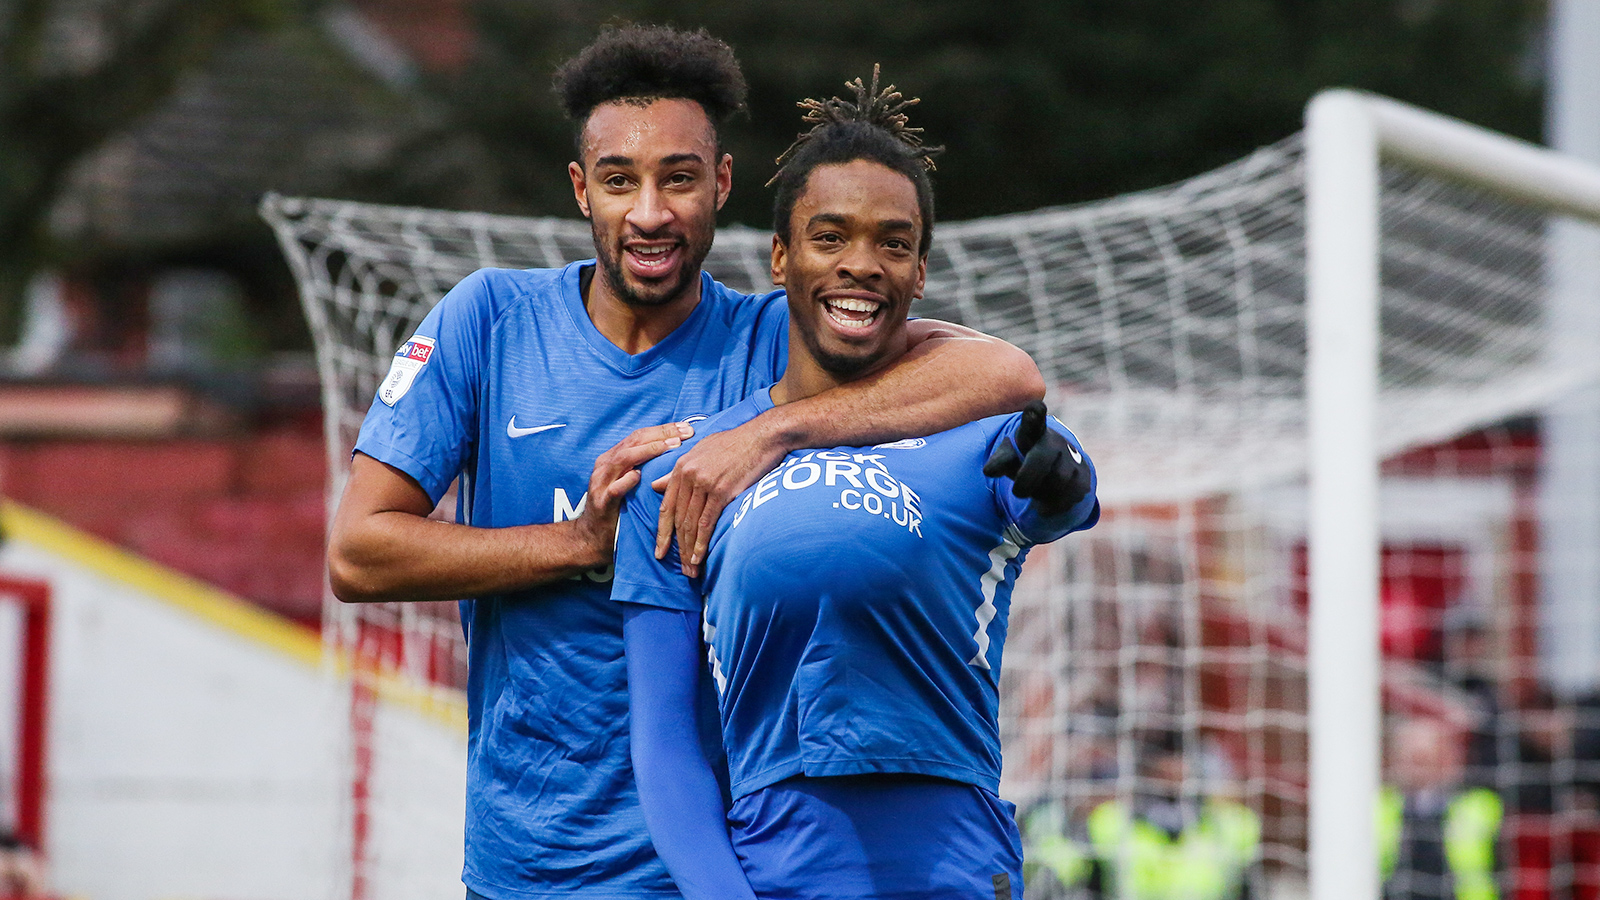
[1170, 326]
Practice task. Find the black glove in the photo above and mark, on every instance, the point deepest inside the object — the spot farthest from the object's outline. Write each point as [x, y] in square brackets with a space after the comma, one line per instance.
[1043, 467]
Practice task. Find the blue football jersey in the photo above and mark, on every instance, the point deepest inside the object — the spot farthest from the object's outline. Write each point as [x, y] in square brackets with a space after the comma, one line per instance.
[508, 384]
[855, 603]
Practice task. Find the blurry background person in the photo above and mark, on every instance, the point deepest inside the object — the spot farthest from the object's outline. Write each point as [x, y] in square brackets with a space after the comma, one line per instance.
[1436, 835]
[1166, 844]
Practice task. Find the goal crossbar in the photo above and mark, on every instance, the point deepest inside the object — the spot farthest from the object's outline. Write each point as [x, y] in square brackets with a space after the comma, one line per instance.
[1348, 134]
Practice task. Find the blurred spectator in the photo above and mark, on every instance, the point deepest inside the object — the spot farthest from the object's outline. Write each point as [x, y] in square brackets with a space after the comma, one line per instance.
[1156, 699]
[1052, 862]
[1163, 845]
[1091, 739]
[1437, 836]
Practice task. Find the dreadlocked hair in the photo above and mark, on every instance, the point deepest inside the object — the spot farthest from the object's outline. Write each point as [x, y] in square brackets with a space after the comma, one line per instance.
[873, 127]
[644, 63]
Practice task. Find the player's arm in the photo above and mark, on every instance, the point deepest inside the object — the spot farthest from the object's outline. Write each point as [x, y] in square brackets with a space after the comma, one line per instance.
[677, 788]
[382, 545]
[1052, 481]
[950, 375]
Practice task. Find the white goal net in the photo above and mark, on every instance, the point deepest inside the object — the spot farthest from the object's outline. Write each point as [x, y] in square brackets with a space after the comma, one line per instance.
[1171, 326]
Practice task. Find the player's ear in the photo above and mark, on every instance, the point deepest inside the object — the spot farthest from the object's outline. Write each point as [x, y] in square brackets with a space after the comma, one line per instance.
[580, 189]
[780, 255]
[922, 277]
[724, 178]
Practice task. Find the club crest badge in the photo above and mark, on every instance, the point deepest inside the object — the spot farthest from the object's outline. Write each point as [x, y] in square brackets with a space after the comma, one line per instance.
[408, 361]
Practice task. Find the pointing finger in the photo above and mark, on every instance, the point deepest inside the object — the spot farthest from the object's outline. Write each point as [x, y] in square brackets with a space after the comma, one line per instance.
[629, 457]
[708, 526]
[1031, 428]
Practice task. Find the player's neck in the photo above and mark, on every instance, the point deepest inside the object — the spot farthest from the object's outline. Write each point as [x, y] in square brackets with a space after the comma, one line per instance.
[805, 377]
[632, 327]
[800, 381]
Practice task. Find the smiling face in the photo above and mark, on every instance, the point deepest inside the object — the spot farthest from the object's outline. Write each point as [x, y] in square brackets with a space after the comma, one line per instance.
[650, 183]
[852, 266]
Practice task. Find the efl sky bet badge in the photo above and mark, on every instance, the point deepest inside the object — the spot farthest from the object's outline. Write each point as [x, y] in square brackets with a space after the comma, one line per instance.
[408, 361]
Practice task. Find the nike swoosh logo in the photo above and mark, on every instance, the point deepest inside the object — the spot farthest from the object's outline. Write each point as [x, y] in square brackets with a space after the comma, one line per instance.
[512, 431]
[1076, 456]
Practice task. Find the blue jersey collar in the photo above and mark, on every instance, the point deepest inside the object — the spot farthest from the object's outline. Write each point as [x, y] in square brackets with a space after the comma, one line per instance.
[614, 356]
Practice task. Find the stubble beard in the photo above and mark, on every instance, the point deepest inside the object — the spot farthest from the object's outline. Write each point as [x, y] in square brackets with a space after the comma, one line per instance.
[610, 258]
[843, 366]
[840, 366]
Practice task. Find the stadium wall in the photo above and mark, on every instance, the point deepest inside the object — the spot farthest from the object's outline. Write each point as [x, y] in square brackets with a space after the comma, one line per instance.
[198, 747]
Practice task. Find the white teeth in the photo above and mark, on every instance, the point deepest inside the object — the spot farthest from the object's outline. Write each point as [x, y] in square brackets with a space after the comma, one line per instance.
[835, 307]
[853, 305]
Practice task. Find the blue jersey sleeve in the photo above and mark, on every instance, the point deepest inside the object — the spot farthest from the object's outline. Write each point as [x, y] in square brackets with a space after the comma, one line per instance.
[424, 419]
[640, 577]
[678, 787]
[1022, 513]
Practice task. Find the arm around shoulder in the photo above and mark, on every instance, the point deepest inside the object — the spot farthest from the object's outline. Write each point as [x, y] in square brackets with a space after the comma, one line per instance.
[1015, 378]
[949, 376]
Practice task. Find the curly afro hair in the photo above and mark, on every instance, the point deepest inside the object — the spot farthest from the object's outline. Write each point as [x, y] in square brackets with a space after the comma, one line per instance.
[651, 62]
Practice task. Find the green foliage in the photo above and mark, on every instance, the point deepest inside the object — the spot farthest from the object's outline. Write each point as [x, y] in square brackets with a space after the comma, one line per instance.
[1039, 102]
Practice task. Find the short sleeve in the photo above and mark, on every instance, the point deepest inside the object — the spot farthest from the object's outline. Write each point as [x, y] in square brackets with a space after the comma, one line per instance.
[1023, 514]
[640, 577]
[424, 417]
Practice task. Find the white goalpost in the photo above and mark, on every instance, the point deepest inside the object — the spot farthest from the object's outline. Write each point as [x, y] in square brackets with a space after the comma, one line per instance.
[1347, 134]
[1311, 380]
